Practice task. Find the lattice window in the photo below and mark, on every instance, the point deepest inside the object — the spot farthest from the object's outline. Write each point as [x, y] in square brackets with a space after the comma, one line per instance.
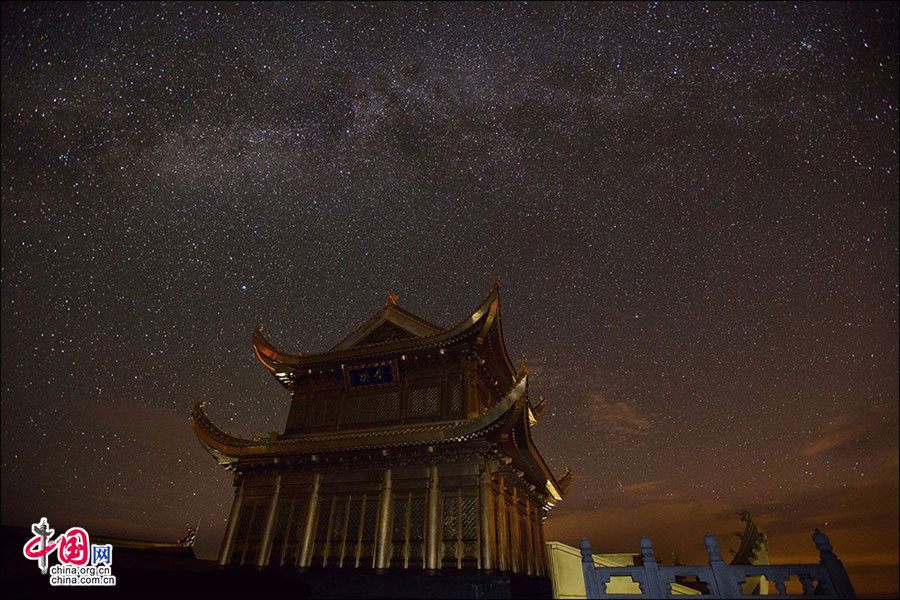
[325, 504]
[399, 530]
[369, 523]
[280, 532]
[469, 530]
[417, 532]
[455, 404]
[329, 412]
[373, 408]
[424, 402]
[351, 412]
[351, 545]
[312, 413]
[322, 411]
[408, 532]
[239, 541]
[450, 528]
[469, 517]
[336, 537]
[391, 406]
[459, 527]
[370, 409]
[294, 536]
[254, 533]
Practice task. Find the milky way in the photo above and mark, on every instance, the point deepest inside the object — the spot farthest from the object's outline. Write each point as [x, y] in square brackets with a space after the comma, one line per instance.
[692, 210]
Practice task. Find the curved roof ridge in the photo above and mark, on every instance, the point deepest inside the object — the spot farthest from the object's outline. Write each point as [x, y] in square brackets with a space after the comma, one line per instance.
[384, 316]
[273, 359]
[414, 317]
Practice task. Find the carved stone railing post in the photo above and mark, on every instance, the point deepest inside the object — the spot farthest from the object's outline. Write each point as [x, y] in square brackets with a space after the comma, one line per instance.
[834, 566]
[309, 525]
[827, 579]
[726, 584]
[654, 585]
[487, 520]
[809, 586]
[383, 543]
[265, 546]
[433, 523]
[591, 585]
[228, 540]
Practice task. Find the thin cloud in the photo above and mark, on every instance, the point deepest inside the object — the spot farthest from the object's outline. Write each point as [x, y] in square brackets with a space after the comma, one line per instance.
[641, 487]
[617, 418]
[846, 428]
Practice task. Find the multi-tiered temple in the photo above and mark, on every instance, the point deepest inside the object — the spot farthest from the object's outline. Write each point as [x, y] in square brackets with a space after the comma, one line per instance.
[407, 447]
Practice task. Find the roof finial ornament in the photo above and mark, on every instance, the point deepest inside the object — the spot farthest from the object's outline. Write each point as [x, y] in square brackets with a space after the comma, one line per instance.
[190, 539]
[538, 410]
[495, 283]
[565, 482]
[392, 299]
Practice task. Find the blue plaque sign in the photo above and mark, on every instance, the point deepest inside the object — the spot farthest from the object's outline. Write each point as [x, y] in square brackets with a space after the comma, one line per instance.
[371, 375]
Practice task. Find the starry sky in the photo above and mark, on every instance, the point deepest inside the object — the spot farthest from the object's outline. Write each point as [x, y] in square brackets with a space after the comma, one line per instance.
[692, 210]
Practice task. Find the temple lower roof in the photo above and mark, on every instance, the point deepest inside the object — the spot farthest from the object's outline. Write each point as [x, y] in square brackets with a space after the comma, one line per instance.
[506, 426]
[227, 445]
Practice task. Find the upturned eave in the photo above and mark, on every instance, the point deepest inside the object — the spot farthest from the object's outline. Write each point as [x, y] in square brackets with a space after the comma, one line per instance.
[227, 448]
[482, 328]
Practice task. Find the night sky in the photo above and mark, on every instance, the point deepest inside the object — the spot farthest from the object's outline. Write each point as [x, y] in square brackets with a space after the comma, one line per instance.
[692, 210]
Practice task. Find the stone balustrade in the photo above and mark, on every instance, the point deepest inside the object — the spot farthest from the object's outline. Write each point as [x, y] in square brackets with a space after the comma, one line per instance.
[827, 579]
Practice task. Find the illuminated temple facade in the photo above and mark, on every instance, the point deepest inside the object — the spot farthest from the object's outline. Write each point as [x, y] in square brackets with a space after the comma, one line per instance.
[407, 448]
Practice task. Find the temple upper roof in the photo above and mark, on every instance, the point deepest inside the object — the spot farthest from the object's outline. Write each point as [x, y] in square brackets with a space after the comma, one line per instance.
[393, 330]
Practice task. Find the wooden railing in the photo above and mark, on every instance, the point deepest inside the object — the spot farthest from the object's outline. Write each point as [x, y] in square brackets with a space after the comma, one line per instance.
[827, 579]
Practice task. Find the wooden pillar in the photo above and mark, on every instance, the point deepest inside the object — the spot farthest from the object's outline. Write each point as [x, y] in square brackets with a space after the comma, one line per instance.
[265, 546]
[329, 536]
[309, 525]
[534, 522]
[343, 532]
[514, 536]
[228, 540]
[486, 520]
[503, 538]
[433, 523]
[383, 541]
[470, 397]
[529, 540]
[543, 545]
[459, 526]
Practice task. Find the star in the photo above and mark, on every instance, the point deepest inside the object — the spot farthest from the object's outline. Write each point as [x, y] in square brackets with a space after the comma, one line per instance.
[692, 209]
